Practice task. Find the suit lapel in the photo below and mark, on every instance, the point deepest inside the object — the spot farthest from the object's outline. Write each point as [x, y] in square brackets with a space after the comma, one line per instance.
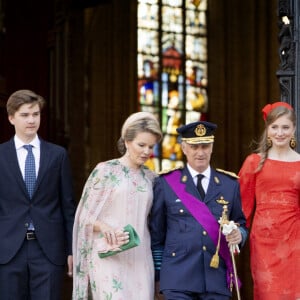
[190, 186]
[11, 158]
[213, 187]
[44, 162]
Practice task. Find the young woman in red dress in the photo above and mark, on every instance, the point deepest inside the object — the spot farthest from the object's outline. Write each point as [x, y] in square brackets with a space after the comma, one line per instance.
[270, 189]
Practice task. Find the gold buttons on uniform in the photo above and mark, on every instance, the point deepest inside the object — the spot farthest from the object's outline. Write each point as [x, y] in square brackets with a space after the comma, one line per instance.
[173, 254]
[204, 232]
[181, 211]
[204, 248]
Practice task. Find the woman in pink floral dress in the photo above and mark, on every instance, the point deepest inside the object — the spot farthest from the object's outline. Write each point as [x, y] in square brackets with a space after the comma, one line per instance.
[118, 192]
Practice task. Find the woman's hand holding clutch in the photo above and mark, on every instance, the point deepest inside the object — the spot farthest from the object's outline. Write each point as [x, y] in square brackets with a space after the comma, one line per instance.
[113, 237]
[124, 239]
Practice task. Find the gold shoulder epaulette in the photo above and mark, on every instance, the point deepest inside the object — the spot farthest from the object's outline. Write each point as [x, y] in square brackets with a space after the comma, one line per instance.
[166, 171]
[232, 174]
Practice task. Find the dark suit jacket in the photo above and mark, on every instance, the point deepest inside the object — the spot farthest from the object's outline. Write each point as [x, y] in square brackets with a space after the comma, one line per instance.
[181, 244]
[51, 208]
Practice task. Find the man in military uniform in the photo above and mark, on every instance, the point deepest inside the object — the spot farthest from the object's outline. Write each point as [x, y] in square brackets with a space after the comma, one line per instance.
[191, 255]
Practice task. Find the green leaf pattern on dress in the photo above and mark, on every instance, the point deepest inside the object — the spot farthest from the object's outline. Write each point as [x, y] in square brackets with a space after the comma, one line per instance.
[106, 179]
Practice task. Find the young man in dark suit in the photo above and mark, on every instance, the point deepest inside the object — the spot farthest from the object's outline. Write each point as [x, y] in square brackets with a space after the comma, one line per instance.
[35, 221]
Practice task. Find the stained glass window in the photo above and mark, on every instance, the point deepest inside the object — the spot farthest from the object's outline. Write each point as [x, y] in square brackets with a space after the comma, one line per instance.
[172, 69]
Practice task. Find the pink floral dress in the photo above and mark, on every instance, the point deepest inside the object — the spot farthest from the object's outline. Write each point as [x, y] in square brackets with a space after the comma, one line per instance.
[115, 195]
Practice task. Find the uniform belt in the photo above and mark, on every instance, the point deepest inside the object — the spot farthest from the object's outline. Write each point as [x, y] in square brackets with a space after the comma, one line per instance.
[30, 235]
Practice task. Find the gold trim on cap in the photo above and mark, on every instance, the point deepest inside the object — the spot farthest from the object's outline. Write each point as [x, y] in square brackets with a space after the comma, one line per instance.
[199, 140]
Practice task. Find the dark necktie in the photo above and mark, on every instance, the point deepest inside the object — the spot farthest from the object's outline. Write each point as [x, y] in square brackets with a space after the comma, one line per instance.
[30, 176]
[200, 187]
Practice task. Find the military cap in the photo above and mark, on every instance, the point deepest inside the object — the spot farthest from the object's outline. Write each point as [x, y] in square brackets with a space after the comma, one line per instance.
[201, 132]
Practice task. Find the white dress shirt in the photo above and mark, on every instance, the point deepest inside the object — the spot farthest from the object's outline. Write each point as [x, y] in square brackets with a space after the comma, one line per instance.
[205, 179]
[22, 153]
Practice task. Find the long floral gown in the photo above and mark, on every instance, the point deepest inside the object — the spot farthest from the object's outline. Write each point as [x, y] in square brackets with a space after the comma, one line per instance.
[273, 196]
[118, 196]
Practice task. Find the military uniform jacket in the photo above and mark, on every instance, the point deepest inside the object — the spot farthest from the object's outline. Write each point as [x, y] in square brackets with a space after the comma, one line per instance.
[182, 249]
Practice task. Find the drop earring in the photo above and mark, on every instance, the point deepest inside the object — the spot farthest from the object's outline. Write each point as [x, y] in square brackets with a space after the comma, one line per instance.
[293, 143]
[269, 142]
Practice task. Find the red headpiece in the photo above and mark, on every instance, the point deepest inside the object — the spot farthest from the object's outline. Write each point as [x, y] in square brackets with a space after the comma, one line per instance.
[266, 110]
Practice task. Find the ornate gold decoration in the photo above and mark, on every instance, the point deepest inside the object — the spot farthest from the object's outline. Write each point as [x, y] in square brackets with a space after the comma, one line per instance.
[184, 178]
[214, 263]
[293, 143]
[217, 181]
[200, 139]
[269, 142]
[222, 201]
[200, 130]
[166, 171]
[232, 174]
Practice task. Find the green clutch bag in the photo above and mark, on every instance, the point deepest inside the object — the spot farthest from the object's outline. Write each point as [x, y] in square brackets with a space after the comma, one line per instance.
[134, 241]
